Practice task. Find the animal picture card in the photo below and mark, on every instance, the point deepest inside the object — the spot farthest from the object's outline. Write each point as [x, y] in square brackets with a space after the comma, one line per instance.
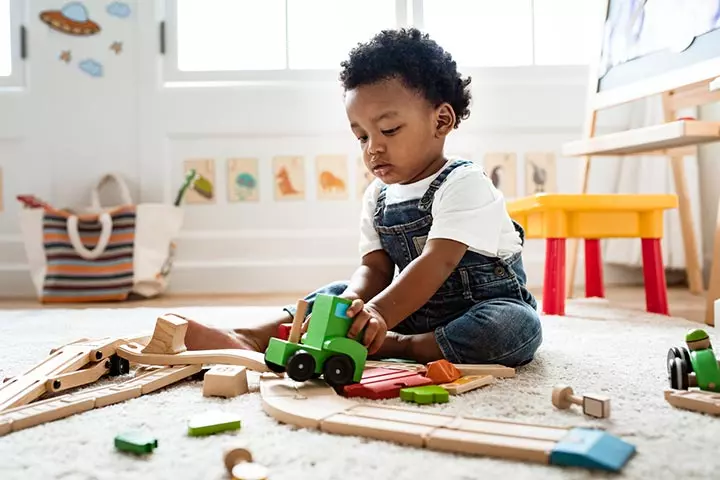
[242, 179]
[364, 178]
[289, 177]
[332, 177]
[502, 170]
[540, 173]
[206, 168]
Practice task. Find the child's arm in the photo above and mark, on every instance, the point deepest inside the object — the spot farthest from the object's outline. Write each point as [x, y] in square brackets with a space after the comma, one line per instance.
[419, 281]
[372, 276]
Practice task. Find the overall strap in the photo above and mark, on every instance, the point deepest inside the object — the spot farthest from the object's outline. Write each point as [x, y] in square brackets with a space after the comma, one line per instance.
[380, 202]
[427, 199]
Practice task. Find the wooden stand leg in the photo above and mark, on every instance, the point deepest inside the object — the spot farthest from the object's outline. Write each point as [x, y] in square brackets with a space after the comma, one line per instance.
[593, 269]
[654, 273]
[554, 284]
[714, 283]
[692, 258]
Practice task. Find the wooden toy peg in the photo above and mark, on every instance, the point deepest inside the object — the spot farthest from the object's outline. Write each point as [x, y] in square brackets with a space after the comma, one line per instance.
[296, 328]
[169, 335]
[593, 405]
[240, 465]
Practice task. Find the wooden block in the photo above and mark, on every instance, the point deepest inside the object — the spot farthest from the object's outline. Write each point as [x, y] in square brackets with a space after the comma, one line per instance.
[169, 335]
[498, 371]
[442, 371]
[225, 381]
[596, 405]
[384, 384]
[468, 383]
[213, 422]
[425, 394]
[283, 332]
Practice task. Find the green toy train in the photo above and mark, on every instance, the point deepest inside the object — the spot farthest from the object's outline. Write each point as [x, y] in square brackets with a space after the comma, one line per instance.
[697, 367]
[324, 350]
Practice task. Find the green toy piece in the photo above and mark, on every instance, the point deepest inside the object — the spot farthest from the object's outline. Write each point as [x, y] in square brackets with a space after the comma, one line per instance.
[136, 442]
[694, 366]
[212, 422]
[425, 394]
[702, 358]
[324, 349]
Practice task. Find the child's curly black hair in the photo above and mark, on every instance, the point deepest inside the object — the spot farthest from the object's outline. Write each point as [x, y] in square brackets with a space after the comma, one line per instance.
[415, 59]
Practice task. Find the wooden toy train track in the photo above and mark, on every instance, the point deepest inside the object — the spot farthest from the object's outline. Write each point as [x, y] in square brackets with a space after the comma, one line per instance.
[162, 360]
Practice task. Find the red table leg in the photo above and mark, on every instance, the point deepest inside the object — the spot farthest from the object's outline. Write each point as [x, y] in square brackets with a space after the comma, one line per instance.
[553, 300]
[593, 269]
[654, 274]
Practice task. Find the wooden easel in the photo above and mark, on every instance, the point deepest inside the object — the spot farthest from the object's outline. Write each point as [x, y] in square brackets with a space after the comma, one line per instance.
[683, 84]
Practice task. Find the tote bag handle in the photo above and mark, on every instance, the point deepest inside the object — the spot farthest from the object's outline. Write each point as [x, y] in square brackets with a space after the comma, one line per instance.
[72, 229]
[124, 190]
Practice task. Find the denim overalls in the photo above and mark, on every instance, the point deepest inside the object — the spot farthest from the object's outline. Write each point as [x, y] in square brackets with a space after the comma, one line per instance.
[482, 313]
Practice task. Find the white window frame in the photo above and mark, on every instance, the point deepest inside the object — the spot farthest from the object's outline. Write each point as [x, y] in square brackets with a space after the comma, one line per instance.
[172, 75]
[17, 76]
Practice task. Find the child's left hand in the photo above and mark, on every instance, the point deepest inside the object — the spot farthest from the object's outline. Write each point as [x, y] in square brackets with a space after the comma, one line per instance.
[365, 316]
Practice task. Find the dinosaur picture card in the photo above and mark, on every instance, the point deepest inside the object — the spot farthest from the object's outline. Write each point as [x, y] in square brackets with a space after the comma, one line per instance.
[502, 170]
[540, 173]
[242, 179]
[289, 177]
[331, 172]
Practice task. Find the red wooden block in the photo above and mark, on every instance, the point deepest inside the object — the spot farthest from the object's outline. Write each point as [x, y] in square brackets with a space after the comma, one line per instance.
[283, 332]
[381, 383]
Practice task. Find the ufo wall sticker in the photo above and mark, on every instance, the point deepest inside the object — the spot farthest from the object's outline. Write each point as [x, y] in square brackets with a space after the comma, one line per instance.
[72, 19]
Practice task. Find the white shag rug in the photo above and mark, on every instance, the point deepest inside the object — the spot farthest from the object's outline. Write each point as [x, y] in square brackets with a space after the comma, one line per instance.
[620, 353]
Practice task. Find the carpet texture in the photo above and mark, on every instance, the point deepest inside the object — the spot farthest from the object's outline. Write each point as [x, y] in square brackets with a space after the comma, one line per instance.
[620, 353]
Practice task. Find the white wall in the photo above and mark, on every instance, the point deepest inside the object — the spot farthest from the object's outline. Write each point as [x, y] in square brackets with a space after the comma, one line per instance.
[63, 131]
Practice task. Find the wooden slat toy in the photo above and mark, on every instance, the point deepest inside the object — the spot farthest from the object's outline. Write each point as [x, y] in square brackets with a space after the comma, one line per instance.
[383, 383]
[323, 409]
[468, 383]
[696, 400]
[169, 335]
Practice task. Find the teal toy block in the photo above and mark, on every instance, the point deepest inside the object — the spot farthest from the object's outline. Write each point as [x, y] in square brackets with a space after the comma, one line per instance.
[592, 449]
[425, 394]
[136, 442]
[213, 422]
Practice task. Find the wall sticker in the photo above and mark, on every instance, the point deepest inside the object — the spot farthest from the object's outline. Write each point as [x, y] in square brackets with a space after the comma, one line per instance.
[72, 19]
[119, 9]
[65, 56]
[116, 47]
[91, 67]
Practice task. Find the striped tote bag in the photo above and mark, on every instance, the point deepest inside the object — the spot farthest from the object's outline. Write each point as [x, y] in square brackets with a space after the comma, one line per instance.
[103, 254]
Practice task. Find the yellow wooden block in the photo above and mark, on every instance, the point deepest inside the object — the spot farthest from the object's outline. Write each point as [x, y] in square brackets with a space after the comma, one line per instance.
[561, 215]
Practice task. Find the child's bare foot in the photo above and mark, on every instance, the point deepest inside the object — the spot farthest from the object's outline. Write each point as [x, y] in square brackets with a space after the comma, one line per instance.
[203, 337]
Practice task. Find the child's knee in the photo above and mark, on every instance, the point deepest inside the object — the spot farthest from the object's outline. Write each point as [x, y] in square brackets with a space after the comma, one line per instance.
[508, 334]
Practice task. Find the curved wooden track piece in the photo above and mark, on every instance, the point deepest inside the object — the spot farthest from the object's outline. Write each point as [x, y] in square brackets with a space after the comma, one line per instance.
[252, 360]
[315, 405]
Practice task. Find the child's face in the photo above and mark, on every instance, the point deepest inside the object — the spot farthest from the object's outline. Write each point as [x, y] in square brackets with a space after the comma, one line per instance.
[398, 131]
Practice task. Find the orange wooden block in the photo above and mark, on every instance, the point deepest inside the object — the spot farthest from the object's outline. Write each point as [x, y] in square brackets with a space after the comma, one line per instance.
[442, 371]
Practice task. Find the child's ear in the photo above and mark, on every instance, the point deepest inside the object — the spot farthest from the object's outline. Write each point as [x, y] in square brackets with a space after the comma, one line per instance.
[444, 120]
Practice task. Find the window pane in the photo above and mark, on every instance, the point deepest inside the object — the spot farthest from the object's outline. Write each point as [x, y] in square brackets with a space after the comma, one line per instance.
[5, 50]
[322, 32]
[567, 32]
[482, 32]
[231, 34]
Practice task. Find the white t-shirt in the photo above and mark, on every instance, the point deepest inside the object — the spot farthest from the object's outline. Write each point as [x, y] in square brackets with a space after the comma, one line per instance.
[467, 208]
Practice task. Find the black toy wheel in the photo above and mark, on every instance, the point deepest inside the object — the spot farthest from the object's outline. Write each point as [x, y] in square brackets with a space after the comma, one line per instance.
[301, 366]
[338, 370]
[117, 366]
[678, 374]
[679, 352]
[274, 367]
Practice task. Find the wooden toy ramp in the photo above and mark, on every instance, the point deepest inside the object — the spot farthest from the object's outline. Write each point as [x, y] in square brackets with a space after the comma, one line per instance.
[315, 405]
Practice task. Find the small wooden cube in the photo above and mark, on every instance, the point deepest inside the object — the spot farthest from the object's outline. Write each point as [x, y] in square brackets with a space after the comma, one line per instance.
[596, 405]
[225, 381]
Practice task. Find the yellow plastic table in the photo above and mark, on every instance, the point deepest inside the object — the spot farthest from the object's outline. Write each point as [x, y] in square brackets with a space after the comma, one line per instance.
[592, 217]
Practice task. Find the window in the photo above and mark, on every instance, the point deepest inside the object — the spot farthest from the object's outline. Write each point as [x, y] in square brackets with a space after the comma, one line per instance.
[213, 37]
[10, 62]
[304, 39]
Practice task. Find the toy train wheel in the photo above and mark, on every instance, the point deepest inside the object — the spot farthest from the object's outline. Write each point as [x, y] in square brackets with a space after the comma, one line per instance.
[338, 370]
[275, 367]
[679, 379]
[679, 352]
[301, 366]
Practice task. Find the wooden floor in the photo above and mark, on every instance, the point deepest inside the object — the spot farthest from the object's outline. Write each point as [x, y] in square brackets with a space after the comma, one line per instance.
[682, 303]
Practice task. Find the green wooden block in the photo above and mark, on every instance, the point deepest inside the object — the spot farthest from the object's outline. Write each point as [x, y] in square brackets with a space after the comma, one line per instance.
[136, 442]
[213, 422]
[425, 395]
